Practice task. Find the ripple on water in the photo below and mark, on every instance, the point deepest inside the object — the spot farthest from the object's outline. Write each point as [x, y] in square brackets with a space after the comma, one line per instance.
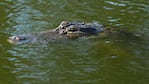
[81, 61]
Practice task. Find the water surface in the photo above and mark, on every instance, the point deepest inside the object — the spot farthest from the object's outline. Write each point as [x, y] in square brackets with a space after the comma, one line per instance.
[120, 60]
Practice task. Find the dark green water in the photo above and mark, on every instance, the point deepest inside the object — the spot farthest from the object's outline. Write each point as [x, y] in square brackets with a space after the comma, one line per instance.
[83, 61]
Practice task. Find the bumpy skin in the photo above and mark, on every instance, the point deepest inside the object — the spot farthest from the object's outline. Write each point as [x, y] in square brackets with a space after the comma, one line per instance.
[66, 30]
[87, 28]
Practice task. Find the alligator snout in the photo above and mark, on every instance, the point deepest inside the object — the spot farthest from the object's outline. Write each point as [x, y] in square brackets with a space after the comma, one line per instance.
[14, 39]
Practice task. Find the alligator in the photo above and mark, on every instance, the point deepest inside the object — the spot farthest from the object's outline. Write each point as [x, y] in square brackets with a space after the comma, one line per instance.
[66, 30]
[70, 31]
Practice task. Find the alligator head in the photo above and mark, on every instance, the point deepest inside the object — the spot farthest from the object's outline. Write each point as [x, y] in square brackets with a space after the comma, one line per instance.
[78, 29]
[71, 30]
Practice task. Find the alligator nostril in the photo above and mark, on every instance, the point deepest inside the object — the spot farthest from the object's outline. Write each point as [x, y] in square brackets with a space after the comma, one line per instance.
[15, 38]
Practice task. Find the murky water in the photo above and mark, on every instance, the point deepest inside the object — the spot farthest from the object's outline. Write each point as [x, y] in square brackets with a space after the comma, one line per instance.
[123, 60]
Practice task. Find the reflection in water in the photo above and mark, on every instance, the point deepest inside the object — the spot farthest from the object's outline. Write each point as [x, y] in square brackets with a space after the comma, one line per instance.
[110, 60]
